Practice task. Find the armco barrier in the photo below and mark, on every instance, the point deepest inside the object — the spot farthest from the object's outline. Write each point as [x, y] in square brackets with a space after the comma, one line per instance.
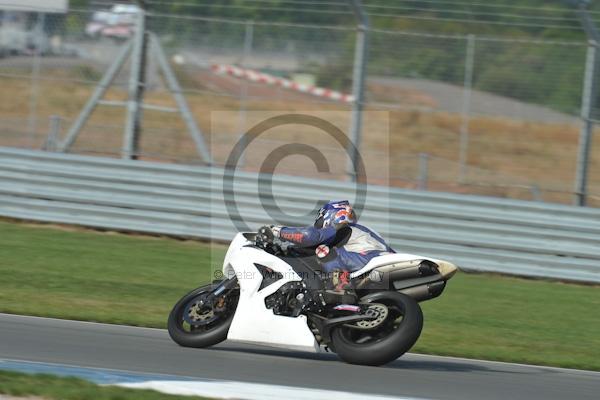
[477, 233]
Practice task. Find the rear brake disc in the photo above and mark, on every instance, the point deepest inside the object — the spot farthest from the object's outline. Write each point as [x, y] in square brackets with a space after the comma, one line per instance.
[378, 311]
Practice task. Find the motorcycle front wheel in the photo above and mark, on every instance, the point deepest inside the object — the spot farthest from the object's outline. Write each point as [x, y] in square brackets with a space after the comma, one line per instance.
[194, 324]
[387, 341]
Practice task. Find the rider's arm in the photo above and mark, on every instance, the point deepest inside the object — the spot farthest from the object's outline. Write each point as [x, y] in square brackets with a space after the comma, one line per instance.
[307, 236]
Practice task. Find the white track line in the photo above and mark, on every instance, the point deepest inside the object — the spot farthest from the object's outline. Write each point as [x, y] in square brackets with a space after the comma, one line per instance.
[189, 386]
[252, 391]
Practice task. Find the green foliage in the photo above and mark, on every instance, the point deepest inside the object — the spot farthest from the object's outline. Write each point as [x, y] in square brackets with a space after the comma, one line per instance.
[73, 23]
[533, 73]
[332, 75]
[408, 57]
[78, 4]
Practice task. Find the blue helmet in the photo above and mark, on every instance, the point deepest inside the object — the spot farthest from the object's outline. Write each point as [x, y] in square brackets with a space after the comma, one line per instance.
[335, 213]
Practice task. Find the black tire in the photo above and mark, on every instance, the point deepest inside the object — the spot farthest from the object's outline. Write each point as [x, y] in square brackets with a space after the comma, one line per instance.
[390, 340]
[210, 335]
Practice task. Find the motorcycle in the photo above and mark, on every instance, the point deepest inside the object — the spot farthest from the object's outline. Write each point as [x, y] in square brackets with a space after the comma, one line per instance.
[277, 296]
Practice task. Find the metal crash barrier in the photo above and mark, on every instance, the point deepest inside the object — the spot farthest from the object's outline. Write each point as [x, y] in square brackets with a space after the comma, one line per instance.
[477, 233]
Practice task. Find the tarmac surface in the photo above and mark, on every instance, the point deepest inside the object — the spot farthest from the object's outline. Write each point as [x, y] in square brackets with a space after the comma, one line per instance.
[151, 351]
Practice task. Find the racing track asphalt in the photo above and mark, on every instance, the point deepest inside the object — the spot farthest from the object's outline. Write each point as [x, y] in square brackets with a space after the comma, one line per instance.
[151, 351]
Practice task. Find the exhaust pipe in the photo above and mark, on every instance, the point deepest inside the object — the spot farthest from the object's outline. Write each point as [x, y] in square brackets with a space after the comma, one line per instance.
[425, 292]
[425, 268]
[384, 276]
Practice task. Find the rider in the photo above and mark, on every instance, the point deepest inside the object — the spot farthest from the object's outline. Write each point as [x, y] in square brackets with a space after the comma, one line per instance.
[341, 244]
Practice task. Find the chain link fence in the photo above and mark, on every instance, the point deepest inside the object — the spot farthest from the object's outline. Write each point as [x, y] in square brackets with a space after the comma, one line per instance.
[468, 114]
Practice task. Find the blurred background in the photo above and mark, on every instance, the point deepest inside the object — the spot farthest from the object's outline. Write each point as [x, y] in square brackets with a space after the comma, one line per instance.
[482, 98]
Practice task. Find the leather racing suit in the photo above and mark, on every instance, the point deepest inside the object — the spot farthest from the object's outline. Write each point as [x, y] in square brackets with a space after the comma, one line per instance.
[350, 246]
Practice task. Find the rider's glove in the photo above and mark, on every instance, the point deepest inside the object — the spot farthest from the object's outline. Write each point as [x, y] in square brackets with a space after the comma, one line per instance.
[268, 233]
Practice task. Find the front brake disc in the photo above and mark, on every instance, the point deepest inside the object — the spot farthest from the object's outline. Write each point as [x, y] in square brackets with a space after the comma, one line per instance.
[199, 314]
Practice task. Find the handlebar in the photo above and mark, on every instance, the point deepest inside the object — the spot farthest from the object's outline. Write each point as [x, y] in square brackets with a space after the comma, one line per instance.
[272, 247]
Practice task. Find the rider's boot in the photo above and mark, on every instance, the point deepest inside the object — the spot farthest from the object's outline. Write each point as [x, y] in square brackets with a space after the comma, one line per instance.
[337, 288]
[340, 281]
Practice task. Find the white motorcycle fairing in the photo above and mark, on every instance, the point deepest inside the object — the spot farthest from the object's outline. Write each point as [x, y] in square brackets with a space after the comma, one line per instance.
[254, 323]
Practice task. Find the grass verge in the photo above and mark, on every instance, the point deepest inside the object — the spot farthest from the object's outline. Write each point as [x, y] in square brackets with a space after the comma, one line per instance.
[59, 388]
[85, 275]
[135, 280]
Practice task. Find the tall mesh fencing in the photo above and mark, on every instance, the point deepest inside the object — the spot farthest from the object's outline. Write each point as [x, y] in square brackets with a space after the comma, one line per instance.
[469, 114]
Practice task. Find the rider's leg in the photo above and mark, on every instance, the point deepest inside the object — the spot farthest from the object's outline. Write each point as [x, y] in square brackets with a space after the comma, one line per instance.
[337, 276]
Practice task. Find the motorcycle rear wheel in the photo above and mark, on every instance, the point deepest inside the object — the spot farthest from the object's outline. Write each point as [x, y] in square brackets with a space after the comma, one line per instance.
[187, 335]
[385, 343]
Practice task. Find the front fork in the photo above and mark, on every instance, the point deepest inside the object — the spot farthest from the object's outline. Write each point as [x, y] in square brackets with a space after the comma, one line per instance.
[223, 287]
[213, 300]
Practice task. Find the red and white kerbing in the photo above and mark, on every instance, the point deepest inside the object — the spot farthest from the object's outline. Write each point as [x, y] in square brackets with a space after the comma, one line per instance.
[260, 77]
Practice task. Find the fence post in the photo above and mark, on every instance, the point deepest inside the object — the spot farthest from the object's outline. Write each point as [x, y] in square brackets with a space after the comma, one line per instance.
[358, 85]
[53, 133]
[248, 43]
[466, 108]
[423, 171]
[588, 100]
[136, 89]
[35, 75]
